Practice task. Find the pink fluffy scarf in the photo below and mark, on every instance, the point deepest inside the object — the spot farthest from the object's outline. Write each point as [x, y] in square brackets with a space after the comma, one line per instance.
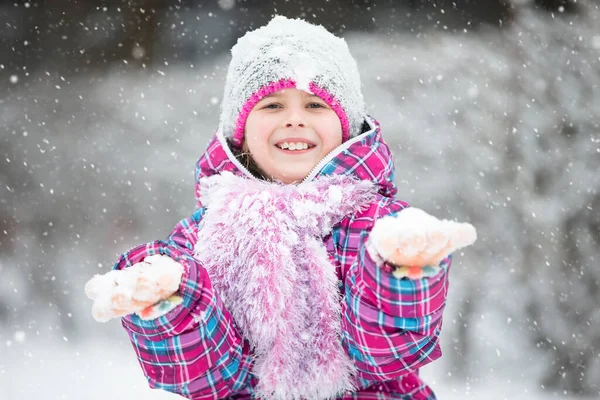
[262, 245]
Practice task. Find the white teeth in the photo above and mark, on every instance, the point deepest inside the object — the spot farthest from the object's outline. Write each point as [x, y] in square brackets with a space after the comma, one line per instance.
[294, 146]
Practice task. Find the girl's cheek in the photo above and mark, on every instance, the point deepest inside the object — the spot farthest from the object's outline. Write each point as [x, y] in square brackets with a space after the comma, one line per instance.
[262, 133]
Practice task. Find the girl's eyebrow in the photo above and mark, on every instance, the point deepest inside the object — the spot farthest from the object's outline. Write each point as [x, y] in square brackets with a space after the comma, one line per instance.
[270, 96]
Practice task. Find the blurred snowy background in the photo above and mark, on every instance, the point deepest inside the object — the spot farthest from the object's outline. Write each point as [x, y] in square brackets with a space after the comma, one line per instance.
[492, 109]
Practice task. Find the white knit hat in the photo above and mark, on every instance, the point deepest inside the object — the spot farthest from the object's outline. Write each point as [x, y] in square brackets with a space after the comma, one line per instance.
[291, 53]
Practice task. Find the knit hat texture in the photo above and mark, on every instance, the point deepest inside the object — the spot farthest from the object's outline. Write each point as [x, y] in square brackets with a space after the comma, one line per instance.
[291, 53]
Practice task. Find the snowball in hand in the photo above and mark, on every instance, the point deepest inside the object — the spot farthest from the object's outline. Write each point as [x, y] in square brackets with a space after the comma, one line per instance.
[122, 292]
[416, 238]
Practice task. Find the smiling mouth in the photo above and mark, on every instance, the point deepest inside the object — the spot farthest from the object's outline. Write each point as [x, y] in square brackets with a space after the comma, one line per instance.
[294, 146]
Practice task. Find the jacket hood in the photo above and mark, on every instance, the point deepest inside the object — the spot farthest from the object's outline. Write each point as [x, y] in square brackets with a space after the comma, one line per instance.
[366, 157]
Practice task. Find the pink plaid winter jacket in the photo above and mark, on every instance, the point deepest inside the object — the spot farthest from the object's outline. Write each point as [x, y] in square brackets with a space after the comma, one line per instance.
[389, 327]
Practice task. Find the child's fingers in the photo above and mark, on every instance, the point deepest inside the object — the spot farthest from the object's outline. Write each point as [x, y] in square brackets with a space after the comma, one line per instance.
[107, 290]
[430, 253]
[401, 259]
[99, 284]
[158, 282]
[415, 238]
[117, 305]
[94, 287]
[459, 235]
[462, 235]
[408, 248]
[151, 291]
[102, 309]
[438, 241]
[411, 250]
[440, 255]
[385, 246]
[123, 292]
[413, 245]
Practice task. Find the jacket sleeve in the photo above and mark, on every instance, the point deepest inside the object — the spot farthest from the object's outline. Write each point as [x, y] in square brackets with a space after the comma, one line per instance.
[194, 350]
[390, 326]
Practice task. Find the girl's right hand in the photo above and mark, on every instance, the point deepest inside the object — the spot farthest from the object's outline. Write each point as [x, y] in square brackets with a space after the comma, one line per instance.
[137, 289]
[415, 242]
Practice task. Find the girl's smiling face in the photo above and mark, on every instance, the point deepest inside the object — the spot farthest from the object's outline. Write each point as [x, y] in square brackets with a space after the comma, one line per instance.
[288, 132]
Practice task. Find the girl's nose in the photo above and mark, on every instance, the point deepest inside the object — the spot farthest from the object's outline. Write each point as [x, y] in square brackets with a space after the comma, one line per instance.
[294, 119]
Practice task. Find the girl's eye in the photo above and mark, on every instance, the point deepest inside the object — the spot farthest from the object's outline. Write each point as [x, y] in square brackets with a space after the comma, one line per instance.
[315, 105]
[272, 106]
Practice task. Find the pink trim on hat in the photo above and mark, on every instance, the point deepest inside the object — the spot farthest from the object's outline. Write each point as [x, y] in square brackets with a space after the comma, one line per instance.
[238, 133]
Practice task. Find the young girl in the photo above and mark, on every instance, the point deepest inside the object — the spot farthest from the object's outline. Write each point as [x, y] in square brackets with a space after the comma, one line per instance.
[299, 276]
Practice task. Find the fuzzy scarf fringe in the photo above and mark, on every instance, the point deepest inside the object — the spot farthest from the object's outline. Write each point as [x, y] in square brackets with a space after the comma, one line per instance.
[262, 246]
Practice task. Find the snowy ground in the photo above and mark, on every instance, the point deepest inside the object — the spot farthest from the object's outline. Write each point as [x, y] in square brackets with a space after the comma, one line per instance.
[99, 369]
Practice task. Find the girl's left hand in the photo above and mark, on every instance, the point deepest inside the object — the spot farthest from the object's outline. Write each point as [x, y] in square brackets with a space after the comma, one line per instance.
[146, 288]
[413, 240]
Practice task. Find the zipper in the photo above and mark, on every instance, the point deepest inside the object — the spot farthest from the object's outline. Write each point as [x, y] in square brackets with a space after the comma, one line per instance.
[231, 157]
[330, 156]
[333, 153]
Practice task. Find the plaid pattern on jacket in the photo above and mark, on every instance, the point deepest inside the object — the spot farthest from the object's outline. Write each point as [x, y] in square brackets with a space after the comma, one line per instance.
[390, 327]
